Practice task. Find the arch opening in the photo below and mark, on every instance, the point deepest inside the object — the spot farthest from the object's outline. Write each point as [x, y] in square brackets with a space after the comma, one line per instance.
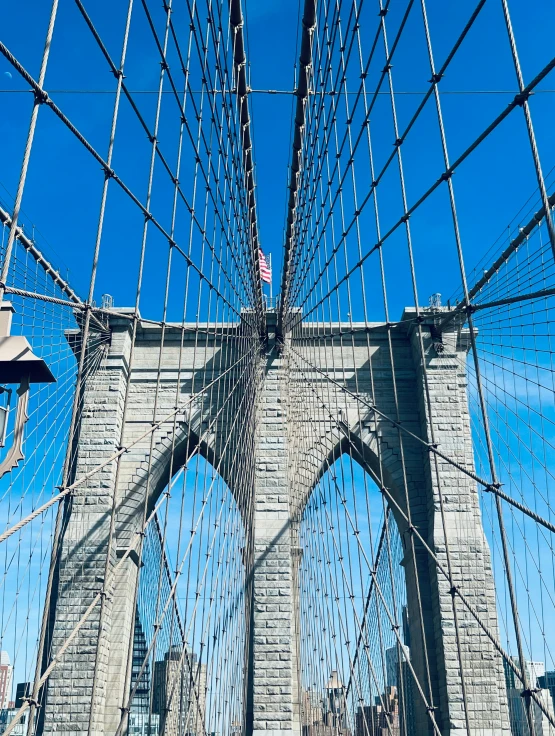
[191, 623]
[354, 670]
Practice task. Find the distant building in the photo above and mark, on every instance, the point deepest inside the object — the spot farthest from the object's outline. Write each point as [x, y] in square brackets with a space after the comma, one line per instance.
[517, 709]
[179, 693]
[236, 728]
[7, 716]
[381, 719]
[325, 714]
[547, 682]
[336, 707]
[141, 721]
[6, 675]
[312, 712]
[142, 724]
[364, 720]
[401, 679]
[22, 691]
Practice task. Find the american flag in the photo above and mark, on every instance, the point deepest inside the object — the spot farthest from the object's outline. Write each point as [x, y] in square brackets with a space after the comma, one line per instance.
[265, 271]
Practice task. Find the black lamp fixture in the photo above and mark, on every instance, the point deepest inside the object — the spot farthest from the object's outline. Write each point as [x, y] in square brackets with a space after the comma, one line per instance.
[19, 366]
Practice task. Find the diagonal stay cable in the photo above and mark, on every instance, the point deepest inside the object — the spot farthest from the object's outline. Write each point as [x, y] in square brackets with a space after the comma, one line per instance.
[46, 100]
[433, 84]
[152, 138]
[173, 590]
[456, 589]
[412, 209]
[115, 455]
[495, 489]
[132, 547]
[101, 593]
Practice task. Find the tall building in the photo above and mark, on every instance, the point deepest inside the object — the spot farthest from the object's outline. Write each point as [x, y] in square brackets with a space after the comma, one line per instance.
[180, 693]
[325, 714]
[6, 675]
[547, 682]
[364, 720]
[199, 703]
[312, 712]
[6, 716]
[400, 678]
[381, 719]
[22, 691]
[141, 721]
[336, 707]
[517, 711]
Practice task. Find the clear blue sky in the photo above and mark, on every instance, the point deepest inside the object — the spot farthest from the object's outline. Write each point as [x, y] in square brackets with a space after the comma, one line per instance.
[63, 189]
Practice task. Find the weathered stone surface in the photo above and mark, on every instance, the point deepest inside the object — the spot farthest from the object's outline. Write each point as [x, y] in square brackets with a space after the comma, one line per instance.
[362, 362]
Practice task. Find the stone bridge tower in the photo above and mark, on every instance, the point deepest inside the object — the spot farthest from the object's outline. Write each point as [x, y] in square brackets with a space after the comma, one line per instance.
[280, 491]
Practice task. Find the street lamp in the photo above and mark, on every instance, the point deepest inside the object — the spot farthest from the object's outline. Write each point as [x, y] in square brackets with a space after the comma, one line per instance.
[19, 366]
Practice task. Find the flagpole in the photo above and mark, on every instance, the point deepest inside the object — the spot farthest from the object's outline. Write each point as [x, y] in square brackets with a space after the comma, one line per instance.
[270, 257]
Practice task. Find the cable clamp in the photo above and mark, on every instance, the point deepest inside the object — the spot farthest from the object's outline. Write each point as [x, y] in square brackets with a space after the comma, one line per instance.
[398, 142]
[311, 28]
[432, 445]
[435, 78]
[522, 97]
[446, 175]
[454, 590]
[64, 489]
[41, 96]
[530, 691]
[29, 699]
[383, 12]
[387, 68]
[405, 218]
[492, 487]
[123, 448]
